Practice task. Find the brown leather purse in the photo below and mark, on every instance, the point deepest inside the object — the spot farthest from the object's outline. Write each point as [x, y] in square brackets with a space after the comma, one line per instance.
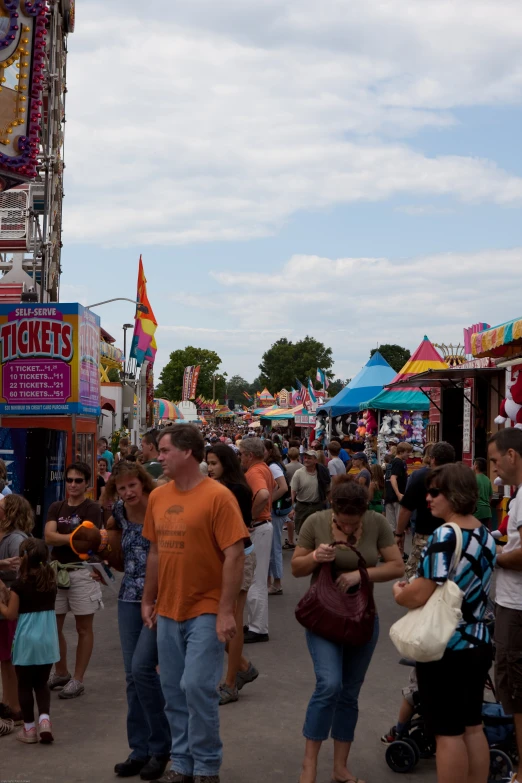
[344, 618]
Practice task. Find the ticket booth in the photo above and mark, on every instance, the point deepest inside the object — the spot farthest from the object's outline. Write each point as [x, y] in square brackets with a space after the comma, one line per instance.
[49, 397]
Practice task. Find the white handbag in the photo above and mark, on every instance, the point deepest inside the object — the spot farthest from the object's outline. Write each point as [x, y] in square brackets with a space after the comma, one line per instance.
[423, 633]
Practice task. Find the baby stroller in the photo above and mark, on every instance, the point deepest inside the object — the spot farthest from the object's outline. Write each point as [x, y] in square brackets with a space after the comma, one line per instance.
[415, 742]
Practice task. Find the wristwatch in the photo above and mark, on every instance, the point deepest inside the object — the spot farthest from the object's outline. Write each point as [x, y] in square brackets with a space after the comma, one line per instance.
[399, 535]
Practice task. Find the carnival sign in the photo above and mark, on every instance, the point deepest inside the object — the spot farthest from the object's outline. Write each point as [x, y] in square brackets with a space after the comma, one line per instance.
[49, 359]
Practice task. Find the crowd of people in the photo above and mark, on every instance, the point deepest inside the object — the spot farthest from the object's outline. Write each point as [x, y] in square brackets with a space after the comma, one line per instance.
[199, 518]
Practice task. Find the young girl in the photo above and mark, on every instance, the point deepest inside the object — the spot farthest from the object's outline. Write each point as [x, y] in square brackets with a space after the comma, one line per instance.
[35, 647]
[376, 489]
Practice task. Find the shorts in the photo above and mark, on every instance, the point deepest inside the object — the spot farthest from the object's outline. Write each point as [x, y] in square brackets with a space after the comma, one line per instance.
[412, 688]
[83, 597]
[451, 690]
[391, 512]
[7, 634]
[305, 510]
[508, 658]
[248, 571]
[417, 547]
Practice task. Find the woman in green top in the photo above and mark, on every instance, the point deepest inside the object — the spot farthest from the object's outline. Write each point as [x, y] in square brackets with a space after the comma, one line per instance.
[340, 669]
[376, 490]
[483, 510]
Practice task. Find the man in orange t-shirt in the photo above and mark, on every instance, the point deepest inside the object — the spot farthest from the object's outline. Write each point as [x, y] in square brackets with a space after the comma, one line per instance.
[259, 478]
[194, 575]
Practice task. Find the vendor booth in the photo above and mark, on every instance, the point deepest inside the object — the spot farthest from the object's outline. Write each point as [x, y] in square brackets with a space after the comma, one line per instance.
[402, 412]
[464, 402]
[49, 396]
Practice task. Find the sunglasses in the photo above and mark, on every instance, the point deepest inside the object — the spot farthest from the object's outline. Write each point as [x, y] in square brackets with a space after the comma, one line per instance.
[74, 480]
[433, 492]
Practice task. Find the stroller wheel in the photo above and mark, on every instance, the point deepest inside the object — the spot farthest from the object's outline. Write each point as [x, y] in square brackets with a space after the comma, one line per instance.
[500, 766]
[400, 756]
[425, 743]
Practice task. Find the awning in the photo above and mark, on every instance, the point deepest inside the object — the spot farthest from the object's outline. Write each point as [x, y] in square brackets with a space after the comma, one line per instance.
[499, 340]
[445, 378]
[107, 404]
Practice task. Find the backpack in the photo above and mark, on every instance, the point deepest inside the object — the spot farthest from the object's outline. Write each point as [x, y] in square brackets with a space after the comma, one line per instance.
[282, 506]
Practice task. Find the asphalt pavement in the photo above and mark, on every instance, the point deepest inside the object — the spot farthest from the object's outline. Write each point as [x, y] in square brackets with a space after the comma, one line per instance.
[261, 732]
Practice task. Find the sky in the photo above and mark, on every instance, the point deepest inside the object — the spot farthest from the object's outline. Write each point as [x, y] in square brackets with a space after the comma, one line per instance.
[349, 169]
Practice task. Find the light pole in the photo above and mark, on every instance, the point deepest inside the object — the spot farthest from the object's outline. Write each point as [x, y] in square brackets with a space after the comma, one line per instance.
[125, 327]
[139, 306]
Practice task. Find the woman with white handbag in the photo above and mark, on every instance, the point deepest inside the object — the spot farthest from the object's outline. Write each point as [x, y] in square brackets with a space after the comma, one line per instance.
[446, 628]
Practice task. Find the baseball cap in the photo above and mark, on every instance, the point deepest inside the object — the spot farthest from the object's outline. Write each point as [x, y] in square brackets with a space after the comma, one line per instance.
[311, 453]
[360, 455]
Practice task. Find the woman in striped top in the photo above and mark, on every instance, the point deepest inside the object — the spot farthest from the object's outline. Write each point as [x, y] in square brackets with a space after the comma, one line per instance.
[451, 690]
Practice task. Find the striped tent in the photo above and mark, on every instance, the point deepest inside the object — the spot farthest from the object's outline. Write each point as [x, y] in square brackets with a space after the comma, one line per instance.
[425, 358]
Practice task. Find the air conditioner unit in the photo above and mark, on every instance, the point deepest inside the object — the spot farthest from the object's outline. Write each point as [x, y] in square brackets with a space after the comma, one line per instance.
[14, 219]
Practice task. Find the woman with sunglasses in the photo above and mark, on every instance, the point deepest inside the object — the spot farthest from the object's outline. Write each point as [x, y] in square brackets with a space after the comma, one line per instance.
[459, 678]
[78, 592]
[340, 669]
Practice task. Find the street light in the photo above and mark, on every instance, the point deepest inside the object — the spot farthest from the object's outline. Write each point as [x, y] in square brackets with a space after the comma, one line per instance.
[125, 327]
[139, 306]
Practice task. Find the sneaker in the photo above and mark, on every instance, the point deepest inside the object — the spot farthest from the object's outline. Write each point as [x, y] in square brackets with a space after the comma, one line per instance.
[72, 690]
[174, 777]
[227, 695]
[288, 545]
[251, 637]
[130, 768]
[206, 779]
[29, 737]
[46, 732]
[154, 768]
[58, 680]
[242, 678]
[6, 727]
[390, 737]
[275, 590]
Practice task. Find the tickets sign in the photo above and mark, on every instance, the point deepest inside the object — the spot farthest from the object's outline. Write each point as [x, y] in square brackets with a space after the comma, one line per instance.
[49, 359]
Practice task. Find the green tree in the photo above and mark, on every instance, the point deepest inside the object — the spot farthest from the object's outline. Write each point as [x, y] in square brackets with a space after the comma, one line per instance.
[336, 386]
[114, 375]
[395, 355]
[235, 388]
[171, 377]
[285, 361]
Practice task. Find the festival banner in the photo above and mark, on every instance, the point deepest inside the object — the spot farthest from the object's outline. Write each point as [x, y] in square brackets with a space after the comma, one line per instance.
[194, 381]
[49, 359]
[143, 341]
[187, 383]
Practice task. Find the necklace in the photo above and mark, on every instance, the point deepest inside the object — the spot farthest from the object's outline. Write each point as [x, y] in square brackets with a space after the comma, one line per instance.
[351, 539]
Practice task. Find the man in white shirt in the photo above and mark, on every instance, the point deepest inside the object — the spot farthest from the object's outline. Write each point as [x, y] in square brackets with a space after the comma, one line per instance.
[505, 453]
[336, 466]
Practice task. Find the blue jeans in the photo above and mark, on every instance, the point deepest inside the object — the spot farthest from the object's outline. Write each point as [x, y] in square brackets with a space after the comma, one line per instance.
[276, 553]
[191, 665]
[147, 725]
[339, 671]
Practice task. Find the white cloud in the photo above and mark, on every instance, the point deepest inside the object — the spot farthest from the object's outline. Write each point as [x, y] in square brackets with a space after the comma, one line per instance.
[354, 304]
[218, 121]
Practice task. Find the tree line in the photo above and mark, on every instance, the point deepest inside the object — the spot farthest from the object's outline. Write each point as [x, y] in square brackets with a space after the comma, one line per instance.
[280, 365]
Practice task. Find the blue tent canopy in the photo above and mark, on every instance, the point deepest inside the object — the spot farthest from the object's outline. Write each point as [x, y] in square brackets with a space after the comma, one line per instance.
[371, 380]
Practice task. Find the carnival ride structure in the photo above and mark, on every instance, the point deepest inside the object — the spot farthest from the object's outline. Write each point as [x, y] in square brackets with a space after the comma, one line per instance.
[33, 68]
